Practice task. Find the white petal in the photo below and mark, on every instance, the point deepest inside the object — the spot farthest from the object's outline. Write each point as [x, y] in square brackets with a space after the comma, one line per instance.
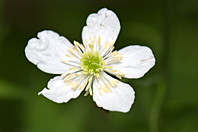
[47, 51]
[119, 99]
[105, 23]
[58, 91]
[136, 61]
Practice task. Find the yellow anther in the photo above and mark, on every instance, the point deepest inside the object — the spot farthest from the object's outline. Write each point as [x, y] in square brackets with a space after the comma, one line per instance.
[86, 93]
[97, 74]
[99, 90]
[76, 43]
[67, 78]
[114, 53]
[105, 44]
[94, 42]
[69, 56]
[99, 40]
[64, 74]
[118, 76]
[88, 86]
[91, 46]
[90, 91]
[64, 61]
[108, 67]
[85, 72]
[91, 41]
[120, 73]
[77, 74]
[81, 86]
[90, 79]
[113, 70]
[73, 68]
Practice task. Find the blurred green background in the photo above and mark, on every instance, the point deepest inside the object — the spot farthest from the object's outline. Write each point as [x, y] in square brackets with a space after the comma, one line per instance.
[166, 97]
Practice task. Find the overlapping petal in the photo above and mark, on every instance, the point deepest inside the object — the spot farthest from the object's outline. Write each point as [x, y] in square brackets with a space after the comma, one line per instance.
[119, 99]
[136, 61]
[105, 23]
[47, 51]
[58, 91]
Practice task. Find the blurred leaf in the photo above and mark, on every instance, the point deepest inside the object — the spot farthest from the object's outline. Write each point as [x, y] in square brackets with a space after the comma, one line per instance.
[4, 28]
[9, 90]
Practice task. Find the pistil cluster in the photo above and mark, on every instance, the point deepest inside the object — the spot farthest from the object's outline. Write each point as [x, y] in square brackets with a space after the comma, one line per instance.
[91, 63]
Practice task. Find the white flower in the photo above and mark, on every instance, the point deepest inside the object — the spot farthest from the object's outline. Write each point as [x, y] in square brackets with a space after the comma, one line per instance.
[87, 66]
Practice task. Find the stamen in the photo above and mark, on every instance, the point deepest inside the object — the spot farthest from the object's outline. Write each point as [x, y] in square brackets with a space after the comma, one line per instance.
[97, 74]
[80, 46]
[83, 82]
[82, 85]
[86, 93]
[108, 67]
[98, 86]
[74, 52]
[85, 72]
[77, 81]
[106, 83]
[64, 74]
[114, 53]
[70, 56]
[78, 74]
[77, 46]
[112, 81]
[74, 68]
[118, 76]
[69, 77]
[91, 41]
[70, 63]
[90, 91]
[91, 46]
[89, 83]
[113, 59]
[99, 90]
[106, 48]
[108, 54]
[103, 86]
[99, 39]
[117, 73]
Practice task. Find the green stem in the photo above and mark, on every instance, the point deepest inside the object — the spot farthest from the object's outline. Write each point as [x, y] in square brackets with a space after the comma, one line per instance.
[161, 87]
[157, 104]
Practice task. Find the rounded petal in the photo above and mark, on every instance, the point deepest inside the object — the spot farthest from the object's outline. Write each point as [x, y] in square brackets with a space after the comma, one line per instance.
[105, 23]
[136, 61]
[47, 51]
[58, 91]
[119, 99]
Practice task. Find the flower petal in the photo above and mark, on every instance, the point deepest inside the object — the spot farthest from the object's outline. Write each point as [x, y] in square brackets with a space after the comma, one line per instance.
[120, 98]
[58, 91]
[105, 23]
[47, 52]
[136, 61]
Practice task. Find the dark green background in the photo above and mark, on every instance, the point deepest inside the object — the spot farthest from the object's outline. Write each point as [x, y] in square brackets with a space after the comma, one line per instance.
[166, 97]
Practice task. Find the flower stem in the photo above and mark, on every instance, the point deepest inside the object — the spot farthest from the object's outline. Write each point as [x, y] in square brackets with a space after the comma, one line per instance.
[157, 104]
[162, 85]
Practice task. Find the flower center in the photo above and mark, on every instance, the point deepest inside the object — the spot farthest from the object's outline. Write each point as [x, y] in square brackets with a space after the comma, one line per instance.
[91, 63]
[91, 66]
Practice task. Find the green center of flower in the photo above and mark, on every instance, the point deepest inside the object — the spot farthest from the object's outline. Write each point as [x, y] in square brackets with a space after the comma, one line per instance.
[91, 63]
